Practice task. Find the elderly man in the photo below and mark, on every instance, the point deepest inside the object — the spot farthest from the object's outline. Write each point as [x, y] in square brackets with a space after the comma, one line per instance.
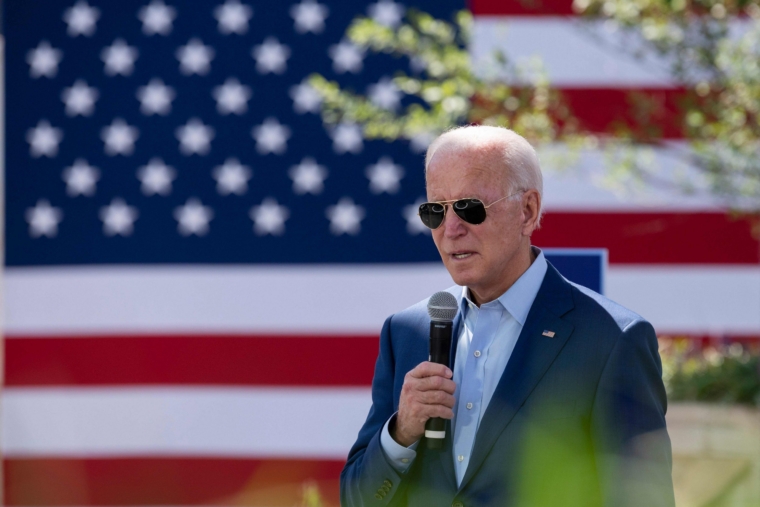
[554, 395]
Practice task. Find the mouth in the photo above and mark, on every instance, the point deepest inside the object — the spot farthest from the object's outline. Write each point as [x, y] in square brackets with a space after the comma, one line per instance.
[462, 255]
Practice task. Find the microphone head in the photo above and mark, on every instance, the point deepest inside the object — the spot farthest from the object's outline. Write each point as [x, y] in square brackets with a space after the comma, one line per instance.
[442, 306]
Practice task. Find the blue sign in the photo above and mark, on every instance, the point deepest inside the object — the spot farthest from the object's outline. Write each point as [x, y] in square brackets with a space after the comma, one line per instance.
[584, 266]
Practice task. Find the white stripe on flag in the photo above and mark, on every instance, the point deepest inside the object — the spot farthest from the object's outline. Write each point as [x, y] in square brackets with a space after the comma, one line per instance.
[346, 299]
[559, 42]
[579, 180]
[256, 422]
[693, 299]
[574, 52]
[235, 299]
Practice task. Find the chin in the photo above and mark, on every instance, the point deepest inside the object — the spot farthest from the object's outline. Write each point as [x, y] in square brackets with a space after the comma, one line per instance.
[462, 277]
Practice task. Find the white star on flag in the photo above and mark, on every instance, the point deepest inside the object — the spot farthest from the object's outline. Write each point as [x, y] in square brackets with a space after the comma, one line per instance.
[233, 17]
[347, 137]
[81, 178]
[232, 177]
[79, 99]
[309, 16]
[194, 137]
[345, 217]
[195, 57]
[119, 138]
[156, 177]
[384, 176]
[155, 98]
[232, 97]
[44, 139]
[271, 56]
[269, 217]
[157, 18]
[118, 218]
[414, 225]
[271, 137]
[417, 64]
[346, 57]
[420, 142]
[308, 177]
[119, 58]
[386, 12]
[193, 217]
[43, 219]
[385, 94]
[81, 19]
[43, 60]
[305, 98]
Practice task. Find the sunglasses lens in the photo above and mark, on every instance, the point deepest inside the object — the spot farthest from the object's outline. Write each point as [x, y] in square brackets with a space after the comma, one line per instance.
[471, 211]
[431, 214]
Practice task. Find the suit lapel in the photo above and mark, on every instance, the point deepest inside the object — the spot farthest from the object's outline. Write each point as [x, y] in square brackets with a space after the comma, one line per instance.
[531, 358]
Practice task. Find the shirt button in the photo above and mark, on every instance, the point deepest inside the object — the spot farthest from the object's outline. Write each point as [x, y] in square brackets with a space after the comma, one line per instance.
[460, 458]
[477, 353]
[469, 406]
[404, 460]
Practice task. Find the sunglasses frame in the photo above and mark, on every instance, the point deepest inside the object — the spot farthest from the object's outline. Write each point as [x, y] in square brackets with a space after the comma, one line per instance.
[451, 203]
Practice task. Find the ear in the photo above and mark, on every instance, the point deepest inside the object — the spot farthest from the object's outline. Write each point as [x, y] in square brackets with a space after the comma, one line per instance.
[531, 207]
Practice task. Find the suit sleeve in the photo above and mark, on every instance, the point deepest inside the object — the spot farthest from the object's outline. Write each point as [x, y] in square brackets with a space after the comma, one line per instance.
[631, 443]
[368, 479]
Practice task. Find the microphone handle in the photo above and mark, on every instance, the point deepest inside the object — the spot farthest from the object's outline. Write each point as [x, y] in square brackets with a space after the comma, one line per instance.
[440, 348]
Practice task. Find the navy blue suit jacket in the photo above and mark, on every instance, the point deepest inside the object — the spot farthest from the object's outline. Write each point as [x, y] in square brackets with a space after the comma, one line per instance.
[576, 420]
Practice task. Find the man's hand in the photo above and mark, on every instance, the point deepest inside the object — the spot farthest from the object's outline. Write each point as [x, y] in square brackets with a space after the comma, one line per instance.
[428, 391]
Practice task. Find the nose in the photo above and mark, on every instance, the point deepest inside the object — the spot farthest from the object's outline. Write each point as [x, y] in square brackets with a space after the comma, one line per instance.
[453, 226]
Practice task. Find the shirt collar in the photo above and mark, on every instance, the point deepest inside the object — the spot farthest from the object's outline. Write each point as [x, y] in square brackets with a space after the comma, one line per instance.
[519, 297]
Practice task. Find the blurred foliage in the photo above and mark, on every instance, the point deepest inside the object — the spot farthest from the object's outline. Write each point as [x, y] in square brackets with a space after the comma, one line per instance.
[311, 496]
[444, 90]
[718, 62]
[713, 47]
[726, 374]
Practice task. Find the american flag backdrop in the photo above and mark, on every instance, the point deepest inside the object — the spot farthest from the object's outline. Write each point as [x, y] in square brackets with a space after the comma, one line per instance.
[196, 269]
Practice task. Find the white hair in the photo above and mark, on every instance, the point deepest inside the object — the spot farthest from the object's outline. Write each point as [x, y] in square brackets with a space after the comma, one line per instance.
[519, 157]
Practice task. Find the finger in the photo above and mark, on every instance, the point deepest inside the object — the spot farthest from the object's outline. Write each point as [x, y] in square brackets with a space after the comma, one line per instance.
[428, 369]
[437, 398]
[440, 411]
[435, 384]
[417, 415]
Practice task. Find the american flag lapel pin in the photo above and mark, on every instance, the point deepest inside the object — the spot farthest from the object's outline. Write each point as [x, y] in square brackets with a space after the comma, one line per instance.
[550, 334]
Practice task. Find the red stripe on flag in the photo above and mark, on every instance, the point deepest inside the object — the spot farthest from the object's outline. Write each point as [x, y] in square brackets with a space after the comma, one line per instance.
[204, 361]
[654, 238]
[521, 7]
[170, 481]
[642, 113]
[191, 360]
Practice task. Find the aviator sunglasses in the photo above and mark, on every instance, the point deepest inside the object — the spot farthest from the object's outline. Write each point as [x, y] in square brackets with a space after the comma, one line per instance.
[470, 209]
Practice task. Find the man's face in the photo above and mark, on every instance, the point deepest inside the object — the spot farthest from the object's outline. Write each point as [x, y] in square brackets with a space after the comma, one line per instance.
[490, 256]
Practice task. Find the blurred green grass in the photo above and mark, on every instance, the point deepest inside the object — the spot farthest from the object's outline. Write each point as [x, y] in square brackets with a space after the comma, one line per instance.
[726, 374]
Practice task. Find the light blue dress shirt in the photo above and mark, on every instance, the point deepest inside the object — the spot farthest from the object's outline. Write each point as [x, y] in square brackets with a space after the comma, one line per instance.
[486, 340]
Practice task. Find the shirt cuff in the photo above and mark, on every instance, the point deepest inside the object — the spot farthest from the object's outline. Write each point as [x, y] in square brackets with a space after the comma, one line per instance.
[399, 457]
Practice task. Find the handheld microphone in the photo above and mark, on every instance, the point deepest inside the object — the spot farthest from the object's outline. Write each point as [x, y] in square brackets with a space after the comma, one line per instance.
[442, 307]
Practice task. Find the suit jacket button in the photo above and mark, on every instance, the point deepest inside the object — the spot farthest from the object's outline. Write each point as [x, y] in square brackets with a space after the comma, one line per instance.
[378, 496]
[388, 483]
[457, 504]
[385, 489]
